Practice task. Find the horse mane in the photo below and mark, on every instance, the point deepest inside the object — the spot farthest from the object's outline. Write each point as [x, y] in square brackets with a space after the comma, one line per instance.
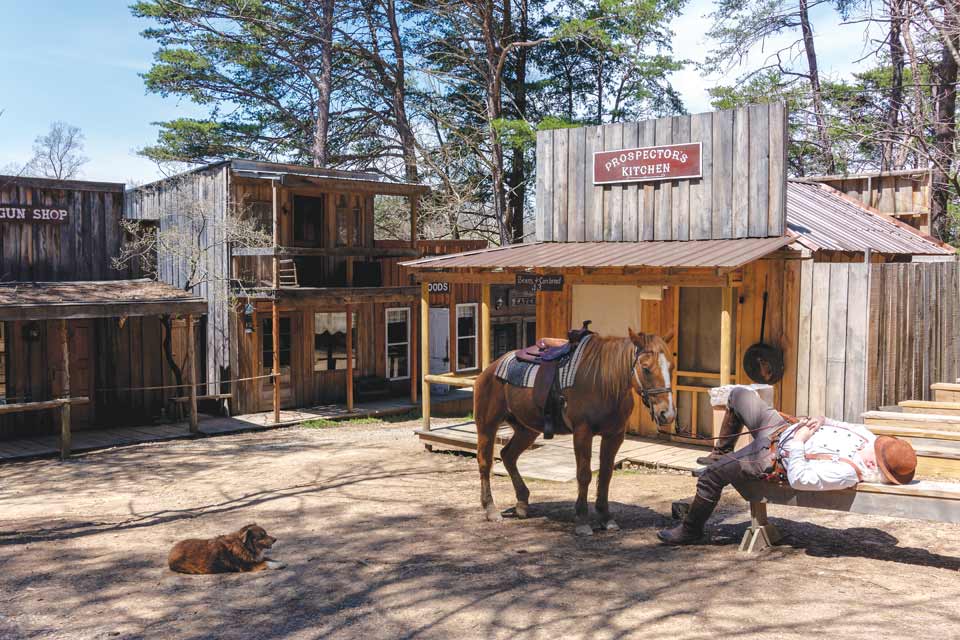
[606, 362]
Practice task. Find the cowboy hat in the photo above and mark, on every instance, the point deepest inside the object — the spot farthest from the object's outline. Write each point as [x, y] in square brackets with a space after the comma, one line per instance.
[896, 459]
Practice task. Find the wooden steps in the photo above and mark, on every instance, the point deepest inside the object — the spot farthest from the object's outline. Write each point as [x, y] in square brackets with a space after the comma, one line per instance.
[935, 421]
[931, 406]
[935, 438]
[946, 391]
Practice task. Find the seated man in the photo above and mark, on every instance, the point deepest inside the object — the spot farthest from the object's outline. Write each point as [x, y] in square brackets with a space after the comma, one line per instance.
[812, 454]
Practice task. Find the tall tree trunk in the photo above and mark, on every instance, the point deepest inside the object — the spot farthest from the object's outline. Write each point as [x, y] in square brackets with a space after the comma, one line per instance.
[896, 85]
[945, 132]
[813, 73]
[408, 140]
[494, 49]
[325, 86]
[517, 178]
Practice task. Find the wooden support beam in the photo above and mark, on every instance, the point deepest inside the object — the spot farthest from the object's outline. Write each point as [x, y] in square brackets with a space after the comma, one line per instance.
[484, 326]
[425, 353]
[192, 373]
[275, 316]
[349, 358]
[726, 313]
[452, 379]
[414, 334]
[66, 437]
[42, 405]
[452, 342]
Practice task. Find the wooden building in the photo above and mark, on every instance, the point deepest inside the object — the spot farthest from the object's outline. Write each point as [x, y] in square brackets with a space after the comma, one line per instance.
[324, 301]
[80, 342]
[685, 225]
[903, 194]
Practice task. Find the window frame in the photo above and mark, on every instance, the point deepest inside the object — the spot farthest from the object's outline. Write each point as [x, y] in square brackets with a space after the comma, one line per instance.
[353, 329]
[476, 337]
[387, 343]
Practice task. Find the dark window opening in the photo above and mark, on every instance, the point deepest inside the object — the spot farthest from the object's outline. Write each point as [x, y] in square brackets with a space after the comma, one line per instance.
[285, 343]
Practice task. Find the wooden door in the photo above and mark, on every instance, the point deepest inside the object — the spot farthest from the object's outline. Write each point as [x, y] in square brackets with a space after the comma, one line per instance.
[81, 372]
[289, 336]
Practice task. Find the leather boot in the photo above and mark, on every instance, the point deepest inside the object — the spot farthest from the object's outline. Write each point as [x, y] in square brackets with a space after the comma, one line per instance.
[690, 531]
[729, 432]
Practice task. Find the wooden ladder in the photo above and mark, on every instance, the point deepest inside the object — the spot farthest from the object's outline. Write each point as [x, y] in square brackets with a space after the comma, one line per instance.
[287, 273]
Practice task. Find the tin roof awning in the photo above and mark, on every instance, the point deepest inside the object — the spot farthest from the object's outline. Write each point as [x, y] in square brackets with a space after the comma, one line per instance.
[94, 299]
[300, 176]
[823, 219]
[724, 254]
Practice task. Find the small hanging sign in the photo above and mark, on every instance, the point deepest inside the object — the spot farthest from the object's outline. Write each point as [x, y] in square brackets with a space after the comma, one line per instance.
[14, 212]
[539, 283]
[643, 164]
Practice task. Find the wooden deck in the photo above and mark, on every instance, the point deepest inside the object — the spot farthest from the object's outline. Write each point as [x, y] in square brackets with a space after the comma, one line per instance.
[88, 440]
[554, 459]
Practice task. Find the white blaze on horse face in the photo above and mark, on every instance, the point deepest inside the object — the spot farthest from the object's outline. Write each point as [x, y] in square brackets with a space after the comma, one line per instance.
[665, 371]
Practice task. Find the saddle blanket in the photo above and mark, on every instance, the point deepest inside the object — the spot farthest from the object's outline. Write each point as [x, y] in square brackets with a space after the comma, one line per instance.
[522, 374]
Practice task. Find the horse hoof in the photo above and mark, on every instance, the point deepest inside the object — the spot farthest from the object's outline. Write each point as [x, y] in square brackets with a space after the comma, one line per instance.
[611, 525]
[493, 515]
[583, 530]
[521, 509]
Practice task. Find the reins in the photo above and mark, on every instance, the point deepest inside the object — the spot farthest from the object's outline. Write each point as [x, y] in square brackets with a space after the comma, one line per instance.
[647, 394]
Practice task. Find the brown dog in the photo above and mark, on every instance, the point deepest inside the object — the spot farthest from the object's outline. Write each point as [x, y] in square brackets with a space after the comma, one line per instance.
[235, 552]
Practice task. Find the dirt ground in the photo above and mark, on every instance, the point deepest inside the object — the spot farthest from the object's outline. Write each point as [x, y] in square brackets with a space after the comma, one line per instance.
[385, 540]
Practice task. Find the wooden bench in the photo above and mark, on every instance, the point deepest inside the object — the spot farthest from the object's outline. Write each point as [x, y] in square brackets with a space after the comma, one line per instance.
[919, 500]
[221, 398]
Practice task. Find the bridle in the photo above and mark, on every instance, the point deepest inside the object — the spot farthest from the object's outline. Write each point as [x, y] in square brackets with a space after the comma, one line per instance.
[645, 393]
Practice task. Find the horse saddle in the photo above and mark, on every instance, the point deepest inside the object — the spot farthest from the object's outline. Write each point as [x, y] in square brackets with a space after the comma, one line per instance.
[550, 354]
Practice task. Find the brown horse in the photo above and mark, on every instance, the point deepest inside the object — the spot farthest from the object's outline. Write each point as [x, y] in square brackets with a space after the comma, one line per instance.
[598, 403]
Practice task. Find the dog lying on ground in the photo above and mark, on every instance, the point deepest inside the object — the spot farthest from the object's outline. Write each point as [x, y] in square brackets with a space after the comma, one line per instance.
[232, 553]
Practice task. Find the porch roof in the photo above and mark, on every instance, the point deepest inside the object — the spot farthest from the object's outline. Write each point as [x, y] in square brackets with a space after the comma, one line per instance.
[571, 255]
[94, 299]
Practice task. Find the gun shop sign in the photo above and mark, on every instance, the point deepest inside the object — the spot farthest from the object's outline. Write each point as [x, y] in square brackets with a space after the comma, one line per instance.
[13, 212]
[644, 164]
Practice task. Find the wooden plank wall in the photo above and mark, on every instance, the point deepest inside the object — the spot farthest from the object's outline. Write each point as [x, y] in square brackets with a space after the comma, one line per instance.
[832, 339]
[894, 194]
[914, 330]
[106, 360]
[742, 192]
[80, 249]
[173, 203]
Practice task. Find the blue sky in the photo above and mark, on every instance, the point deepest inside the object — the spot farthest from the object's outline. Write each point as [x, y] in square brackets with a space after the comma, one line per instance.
[80, 60]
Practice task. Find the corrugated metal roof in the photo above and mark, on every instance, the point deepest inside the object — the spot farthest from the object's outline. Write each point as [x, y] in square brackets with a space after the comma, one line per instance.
[662, 253]
[824, 219]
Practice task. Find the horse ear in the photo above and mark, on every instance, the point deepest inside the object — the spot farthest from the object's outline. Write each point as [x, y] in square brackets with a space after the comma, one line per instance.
[667, 338]
[631, 333]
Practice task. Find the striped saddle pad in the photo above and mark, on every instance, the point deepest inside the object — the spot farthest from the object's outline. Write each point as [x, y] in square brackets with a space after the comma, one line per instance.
[523, 374]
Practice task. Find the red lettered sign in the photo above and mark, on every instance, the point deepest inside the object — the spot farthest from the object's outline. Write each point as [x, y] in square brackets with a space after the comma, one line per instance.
[643, 164]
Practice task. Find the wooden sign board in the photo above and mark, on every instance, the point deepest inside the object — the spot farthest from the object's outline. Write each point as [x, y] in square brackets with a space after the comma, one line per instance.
[645, 164]
[535, 282]
[13, 212]
[736, 188]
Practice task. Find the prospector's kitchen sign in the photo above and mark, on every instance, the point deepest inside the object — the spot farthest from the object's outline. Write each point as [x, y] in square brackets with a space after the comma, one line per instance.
[643, 164]
[32, 214]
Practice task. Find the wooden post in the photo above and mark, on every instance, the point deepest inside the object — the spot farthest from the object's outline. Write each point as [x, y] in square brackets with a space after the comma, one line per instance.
[414, 206]
[192, 373]
[725, 326]
[484, 325]
[425, 353]
[413, 354]
[452, 343]
[66, 437]
[349, 357]
[275, 312]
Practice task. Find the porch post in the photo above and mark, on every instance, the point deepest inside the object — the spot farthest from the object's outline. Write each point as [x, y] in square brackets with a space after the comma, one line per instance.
[725, 326]
[425, 352]
[349, 357]
[413, 353]
[66, 437]
[484, 325]
[192, 372]
[275, 312]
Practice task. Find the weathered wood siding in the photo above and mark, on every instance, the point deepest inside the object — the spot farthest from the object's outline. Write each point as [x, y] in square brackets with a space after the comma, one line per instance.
[106, 360]
[742, 191]
[898, 193]
[914, 330]
[173, 204]
[80, 249]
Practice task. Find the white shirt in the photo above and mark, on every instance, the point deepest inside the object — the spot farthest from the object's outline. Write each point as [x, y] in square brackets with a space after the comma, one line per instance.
[841, 439]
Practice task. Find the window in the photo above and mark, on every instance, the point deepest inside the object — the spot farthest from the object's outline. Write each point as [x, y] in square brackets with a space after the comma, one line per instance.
[285, 341]
[504, 338]
[330, 341]
[349, 220]
[467, 336]
[398, 343]
[3, 362]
